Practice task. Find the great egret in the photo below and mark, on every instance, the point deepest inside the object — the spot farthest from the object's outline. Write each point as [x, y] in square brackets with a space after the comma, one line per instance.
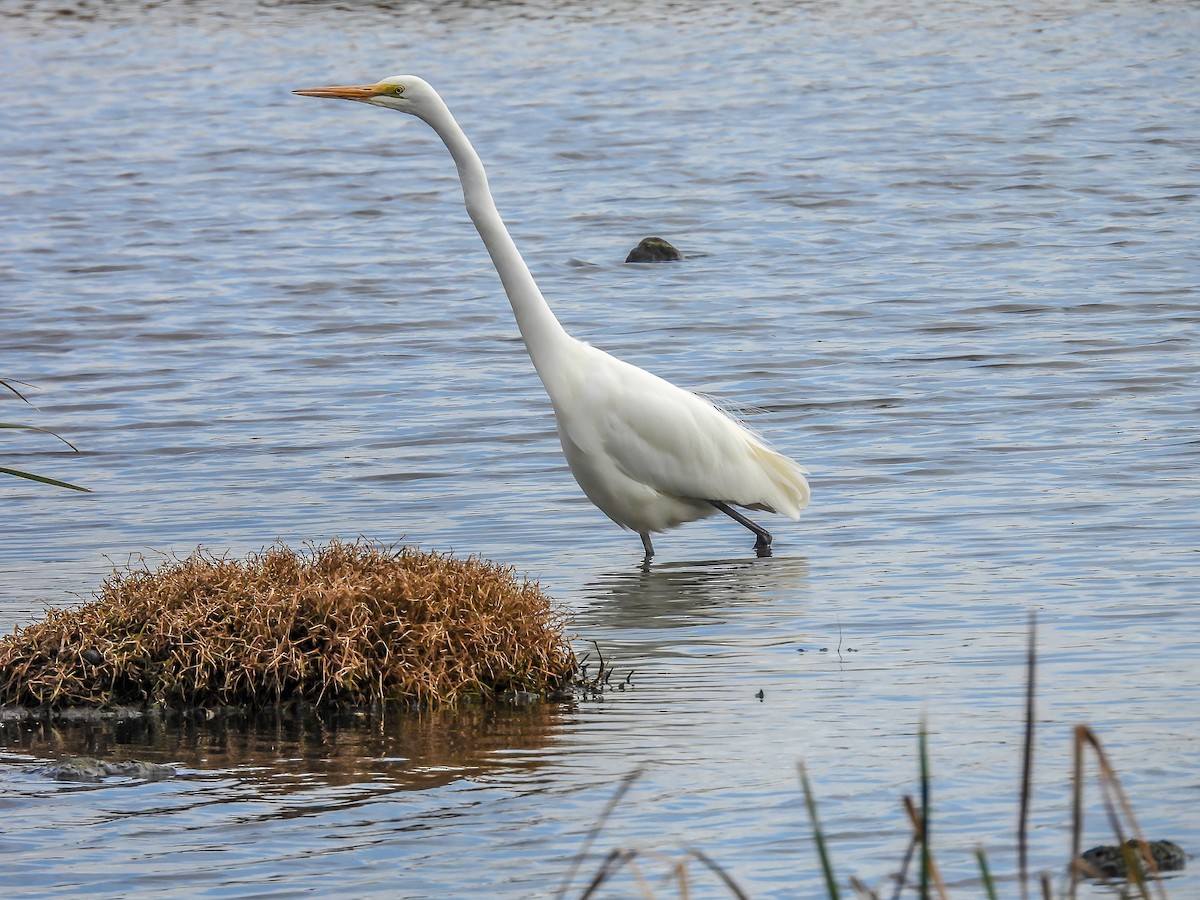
[650, 455]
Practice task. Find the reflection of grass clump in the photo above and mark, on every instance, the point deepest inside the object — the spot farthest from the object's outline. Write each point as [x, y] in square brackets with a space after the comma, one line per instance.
[348, 623]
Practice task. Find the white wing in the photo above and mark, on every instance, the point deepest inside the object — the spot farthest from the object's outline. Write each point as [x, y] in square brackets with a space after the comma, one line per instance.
[670, 440]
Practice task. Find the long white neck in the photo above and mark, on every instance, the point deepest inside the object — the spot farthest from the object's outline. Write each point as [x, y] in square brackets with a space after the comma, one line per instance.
[541, 331]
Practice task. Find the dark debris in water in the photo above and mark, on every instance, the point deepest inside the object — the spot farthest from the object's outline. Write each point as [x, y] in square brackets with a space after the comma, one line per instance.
[594, 686]
[89, 770]
[1112, 861]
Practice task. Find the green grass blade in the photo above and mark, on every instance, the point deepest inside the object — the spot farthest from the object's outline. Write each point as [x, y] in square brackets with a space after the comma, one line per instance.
[43, 479]
[818, 836]
[985, 873]
[1027, 757]
[42, 430]
[923, 749]
[8, 386]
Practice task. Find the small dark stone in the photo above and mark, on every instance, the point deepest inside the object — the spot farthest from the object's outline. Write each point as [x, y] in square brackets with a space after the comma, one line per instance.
[653, 249]
[93, 656]
[1109, 861]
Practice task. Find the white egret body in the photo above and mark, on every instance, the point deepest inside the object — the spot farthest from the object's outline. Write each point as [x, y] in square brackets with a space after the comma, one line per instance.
[650, 455]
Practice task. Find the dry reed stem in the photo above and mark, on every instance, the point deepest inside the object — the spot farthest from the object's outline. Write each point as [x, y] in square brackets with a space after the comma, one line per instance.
[345, 623]
[577, 860]
[861, 890]
[914, 839]
[611, 865]
[726, 879]
[917, 821]
[1110, 788]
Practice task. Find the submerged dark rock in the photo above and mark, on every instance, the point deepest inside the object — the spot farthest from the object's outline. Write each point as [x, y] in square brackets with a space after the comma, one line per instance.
[1109, 860]
[653, 249]
[87, 769]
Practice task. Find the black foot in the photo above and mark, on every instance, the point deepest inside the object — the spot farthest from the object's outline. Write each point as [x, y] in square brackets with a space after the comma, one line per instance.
[762, 537]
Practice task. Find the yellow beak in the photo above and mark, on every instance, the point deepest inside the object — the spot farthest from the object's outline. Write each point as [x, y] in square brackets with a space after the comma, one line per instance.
[344, 92]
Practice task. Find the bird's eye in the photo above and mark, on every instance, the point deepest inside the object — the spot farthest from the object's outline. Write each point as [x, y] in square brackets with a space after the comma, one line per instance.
[397, 89]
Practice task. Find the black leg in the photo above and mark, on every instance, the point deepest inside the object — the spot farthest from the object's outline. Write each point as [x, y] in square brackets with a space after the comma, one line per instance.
[762, 542]
[649, 546]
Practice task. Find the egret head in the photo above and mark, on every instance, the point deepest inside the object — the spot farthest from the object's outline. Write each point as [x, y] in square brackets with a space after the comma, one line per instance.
[406, 93]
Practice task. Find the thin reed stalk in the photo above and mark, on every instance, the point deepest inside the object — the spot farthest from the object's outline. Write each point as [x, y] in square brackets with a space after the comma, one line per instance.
[1076, 815]
[916, 820]
[810, 802]
[1138, 858]
[926, 852]
[613, 863]
[716, 869]
[985, 874]
[597, 826]
[914, 840]
[1027, 759]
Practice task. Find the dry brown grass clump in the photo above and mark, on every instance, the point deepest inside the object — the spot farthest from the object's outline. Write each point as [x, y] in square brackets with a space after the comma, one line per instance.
[347, 623]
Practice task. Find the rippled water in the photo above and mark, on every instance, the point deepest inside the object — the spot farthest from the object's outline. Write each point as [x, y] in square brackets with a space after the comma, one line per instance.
[944, 253]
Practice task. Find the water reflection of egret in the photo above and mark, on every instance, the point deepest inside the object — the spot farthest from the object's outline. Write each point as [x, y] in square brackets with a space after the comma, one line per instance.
[650, 455]
[673, 595]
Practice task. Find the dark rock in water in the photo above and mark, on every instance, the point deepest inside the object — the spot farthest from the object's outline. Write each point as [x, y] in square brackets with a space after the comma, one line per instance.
[653, 249]
[1109, 860]
[86, 769]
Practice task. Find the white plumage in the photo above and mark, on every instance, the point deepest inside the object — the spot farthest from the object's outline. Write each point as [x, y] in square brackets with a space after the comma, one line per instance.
[649, 454]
